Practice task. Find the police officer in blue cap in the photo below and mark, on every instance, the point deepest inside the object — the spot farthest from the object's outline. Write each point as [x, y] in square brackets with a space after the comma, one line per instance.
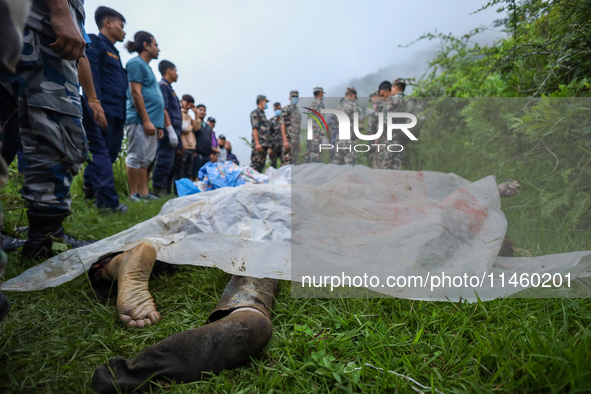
[110, 83]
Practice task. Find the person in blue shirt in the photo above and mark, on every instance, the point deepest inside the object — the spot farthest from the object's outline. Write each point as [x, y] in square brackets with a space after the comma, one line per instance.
[106, 102]
[170, 143]
[108, 75]
[144, 122]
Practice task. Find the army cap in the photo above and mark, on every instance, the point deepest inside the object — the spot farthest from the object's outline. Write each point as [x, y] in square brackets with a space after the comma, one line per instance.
[261, 97]
[318, 89]
[374, 93]
[399, 80]
[294, 93]
[211, 119]
[351, 89]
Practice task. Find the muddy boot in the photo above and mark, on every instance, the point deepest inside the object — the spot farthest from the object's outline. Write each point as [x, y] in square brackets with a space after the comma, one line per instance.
[183, 357]
[42, 228]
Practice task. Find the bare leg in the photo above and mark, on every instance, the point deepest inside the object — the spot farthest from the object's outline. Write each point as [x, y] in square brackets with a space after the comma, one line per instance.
[132, 271]
[144, 179]
[133, 179]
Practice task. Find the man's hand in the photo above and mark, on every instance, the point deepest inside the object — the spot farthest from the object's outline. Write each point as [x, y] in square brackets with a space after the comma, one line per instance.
[258, 147]
[99, 114]
[270, 151]
[286, 145]
[69, 43]
[181, 151]
[160, 133]
[149, 129]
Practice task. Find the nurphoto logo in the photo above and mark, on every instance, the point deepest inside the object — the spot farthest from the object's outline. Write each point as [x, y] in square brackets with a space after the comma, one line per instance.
[394, 121]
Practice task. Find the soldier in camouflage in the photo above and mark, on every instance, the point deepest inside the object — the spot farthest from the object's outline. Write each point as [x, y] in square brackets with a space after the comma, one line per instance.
[43, 94]
[290, 129]
[398, 86]
[313, 154]
[261, 133]
[384, 158]
[344, 152]
[398, 105]
[372, 122]
[275, 150]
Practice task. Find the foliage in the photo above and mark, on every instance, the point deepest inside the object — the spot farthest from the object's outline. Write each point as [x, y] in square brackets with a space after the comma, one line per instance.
[542, 135]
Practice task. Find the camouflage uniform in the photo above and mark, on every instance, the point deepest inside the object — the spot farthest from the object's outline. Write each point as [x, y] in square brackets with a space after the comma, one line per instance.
[259, 121]
[342, 155]
[384, 158]
[291, 118]
[44, 90]
[313, 154]
[372, 123]
[276, 141]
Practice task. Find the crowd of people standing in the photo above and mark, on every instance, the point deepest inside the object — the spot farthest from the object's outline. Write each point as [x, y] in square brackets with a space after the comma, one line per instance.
[168, 137]
[279, 138]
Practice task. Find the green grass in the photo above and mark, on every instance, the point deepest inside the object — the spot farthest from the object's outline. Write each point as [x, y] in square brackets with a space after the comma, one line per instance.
[54, 339]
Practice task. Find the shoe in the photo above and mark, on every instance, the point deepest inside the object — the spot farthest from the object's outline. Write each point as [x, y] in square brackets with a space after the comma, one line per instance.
[149, 196]
[10, 244]
[122, 208]
[75, 242]
[43, 227]
[159, 192]
[135, 197]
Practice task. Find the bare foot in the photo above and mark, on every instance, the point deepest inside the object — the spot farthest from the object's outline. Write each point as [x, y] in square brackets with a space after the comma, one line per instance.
[509, 188]
[132, 271]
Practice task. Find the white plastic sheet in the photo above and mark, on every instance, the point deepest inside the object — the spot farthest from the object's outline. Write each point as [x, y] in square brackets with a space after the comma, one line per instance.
[391, 221]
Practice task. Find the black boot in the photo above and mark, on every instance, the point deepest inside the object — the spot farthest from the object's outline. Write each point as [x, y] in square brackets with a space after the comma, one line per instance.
[4, 306]
[183, 357]
[42, 228]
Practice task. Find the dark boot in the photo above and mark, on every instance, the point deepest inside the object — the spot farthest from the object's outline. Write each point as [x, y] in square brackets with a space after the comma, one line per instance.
[183, 357]
[4, 306]
[43, 227]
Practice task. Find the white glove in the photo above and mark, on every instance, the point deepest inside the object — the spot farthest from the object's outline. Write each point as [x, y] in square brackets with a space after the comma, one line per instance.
[172, 137]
